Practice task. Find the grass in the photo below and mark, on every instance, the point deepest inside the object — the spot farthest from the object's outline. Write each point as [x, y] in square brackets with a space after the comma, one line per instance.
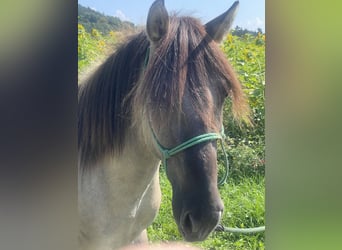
[244, 207]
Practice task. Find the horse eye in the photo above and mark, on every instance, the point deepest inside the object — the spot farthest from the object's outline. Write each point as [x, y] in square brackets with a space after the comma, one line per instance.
[224, 93]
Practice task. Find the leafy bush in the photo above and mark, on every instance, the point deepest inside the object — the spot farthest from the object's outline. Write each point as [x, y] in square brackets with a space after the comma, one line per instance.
[246, 145]
[92, 46]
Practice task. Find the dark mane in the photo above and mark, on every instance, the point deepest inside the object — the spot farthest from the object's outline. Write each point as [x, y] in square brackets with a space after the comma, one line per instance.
[187, 58]
[183, 60]
[102, 117]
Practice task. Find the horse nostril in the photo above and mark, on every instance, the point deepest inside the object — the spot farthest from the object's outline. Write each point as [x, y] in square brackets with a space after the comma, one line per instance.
[188, 223]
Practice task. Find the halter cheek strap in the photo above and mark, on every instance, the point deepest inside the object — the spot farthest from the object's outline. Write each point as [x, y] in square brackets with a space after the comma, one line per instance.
[169, 152]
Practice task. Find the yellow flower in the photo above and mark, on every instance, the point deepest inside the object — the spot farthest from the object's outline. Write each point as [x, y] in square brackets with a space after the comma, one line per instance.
[230, 38]
[81, 29]
[95, 33]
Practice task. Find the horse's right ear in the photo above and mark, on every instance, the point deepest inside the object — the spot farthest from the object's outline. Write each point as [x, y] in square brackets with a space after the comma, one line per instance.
[157, 21]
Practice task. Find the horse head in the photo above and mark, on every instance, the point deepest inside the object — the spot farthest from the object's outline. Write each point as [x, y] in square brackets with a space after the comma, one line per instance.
[182, 92]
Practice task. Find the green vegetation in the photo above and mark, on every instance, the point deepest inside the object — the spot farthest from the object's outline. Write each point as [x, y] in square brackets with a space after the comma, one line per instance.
[238, 31]
[97, 35]
[246, 145]
[243, 194]
[91, 19]
[93, 46]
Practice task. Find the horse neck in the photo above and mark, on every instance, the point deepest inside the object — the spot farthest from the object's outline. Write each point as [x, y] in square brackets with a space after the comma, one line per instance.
[120, 192]
[137, 163]
[139, 149]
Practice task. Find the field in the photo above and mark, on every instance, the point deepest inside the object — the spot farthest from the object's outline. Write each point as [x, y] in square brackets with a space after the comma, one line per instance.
[244, 192]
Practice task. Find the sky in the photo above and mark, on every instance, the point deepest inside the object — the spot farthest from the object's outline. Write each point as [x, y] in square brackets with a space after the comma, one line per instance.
[251, 14]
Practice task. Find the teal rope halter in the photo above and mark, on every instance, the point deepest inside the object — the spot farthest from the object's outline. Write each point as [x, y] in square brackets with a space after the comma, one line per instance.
[169, 152]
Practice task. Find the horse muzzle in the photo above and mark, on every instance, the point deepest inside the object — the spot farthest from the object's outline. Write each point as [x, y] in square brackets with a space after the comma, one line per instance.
[194, 228]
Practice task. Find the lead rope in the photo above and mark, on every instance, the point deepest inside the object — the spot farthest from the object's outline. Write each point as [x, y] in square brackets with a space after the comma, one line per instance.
[226, 161]
[221, 228]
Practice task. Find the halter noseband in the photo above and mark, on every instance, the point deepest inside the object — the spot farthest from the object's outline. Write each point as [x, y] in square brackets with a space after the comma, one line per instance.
[169, 152]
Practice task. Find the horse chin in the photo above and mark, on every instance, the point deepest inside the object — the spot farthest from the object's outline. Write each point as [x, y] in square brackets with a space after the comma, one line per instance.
[191, 237]
[196, 217]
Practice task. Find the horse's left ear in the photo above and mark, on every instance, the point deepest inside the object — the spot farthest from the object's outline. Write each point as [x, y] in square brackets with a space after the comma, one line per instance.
[157, 21]
[220, 26]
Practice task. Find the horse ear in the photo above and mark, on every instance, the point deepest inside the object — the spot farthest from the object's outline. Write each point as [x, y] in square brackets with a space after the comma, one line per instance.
[157, 21]
[220, 26]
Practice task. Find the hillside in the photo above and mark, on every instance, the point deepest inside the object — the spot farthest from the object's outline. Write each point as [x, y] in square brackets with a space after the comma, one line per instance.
[91, 19]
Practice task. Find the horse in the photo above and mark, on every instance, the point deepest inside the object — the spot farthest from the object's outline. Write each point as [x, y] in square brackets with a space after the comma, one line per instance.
[163, 87]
